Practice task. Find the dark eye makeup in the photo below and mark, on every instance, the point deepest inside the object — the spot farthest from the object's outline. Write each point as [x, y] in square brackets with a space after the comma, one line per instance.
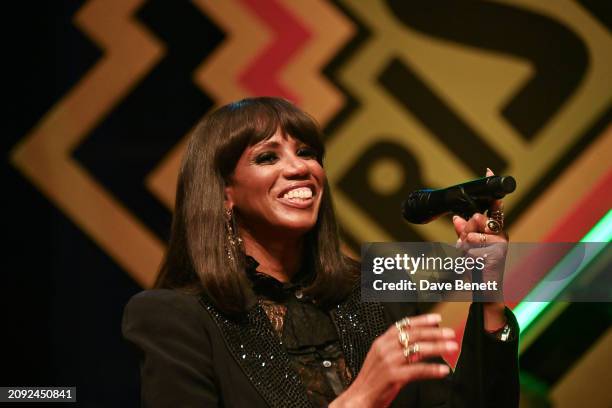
[270, 156]
[265, 157]
[306, 151]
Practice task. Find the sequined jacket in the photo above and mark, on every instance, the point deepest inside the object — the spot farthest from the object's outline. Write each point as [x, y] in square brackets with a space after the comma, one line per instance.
[192, 356]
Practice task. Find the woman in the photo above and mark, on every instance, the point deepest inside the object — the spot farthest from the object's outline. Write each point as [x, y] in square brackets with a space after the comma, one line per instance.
[256, 305]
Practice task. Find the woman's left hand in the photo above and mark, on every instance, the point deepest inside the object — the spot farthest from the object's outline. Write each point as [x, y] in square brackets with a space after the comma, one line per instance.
[478, 239]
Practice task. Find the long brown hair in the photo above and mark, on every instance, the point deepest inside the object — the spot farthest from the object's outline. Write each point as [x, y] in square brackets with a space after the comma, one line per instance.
[197, 257]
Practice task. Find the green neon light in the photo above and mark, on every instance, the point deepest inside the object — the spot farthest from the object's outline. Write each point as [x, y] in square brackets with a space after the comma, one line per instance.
[602, 231]
[527, 312]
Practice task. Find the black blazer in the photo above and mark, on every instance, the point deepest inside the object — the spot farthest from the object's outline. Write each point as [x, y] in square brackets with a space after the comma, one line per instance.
[192, 356]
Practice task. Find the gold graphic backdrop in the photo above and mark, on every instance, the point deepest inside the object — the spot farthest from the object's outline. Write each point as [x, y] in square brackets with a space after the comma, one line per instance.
[410, 95]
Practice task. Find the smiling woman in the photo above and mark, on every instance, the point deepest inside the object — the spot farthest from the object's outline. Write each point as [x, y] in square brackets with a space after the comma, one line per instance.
[255, 305]
[276, 188]
[241, 162]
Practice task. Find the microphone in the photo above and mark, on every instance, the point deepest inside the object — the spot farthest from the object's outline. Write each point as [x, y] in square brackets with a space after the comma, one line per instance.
[464, 199]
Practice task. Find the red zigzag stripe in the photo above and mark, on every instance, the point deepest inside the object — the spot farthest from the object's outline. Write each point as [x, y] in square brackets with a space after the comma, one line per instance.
[261, 77]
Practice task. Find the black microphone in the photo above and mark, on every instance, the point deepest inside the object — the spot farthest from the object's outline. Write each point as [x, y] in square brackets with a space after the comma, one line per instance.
[464, 199]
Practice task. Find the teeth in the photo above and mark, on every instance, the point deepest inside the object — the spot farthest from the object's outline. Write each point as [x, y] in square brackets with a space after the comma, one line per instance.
[302, 192]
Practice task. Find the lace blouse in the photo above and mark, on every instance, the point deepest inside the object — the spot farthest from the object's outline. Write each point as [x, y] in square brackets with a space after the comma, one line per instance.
[307, 333]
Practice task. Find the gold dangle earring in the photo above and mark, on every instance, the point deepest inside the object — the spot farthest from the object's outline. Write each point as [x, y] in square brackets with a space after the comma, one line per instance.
[233, 240]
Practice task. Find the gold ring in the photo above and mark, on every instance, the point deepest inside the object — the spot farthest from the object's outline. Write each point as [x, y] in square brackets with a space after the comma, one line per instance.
[400, 324]
[412, 350]
[494, 225]
[404, 338]
[483, 240]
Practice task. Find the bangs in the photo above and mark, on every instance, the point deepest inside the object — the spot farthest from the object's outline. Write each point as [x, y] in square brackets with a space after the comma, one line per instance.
[251, 121]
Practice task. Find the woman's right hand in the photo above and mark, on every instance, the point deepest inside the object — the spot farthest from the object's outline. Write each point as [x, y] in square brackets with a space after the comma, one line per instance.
[386, 370]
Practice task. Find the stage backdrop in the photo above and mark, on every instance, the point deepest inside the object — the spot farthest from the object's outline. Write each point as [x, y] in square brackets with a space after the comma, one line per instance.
[410, 94]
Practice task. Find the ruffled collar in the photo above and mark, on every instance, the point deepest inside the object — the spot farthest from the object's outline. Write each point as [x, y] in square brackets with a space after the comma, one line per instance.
[269, 287]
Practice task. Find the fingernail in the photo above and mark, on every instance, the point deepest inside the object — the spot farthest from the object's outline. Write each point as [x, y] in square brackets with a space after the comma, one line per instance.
[435, 318]
[444, 369]
[455, 217]
[446, 332]
[451, 345]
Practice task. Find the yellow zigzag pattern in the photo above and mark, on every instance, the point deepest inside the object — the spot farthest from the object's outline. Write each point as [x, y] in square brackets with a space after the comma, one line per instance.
[330, 31]
[246, 38]
[43, 156]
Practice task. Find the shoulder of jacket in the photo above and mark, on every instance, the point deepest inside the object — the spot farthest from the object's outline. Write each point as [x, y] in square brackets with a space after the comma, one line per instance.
[163, 301]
